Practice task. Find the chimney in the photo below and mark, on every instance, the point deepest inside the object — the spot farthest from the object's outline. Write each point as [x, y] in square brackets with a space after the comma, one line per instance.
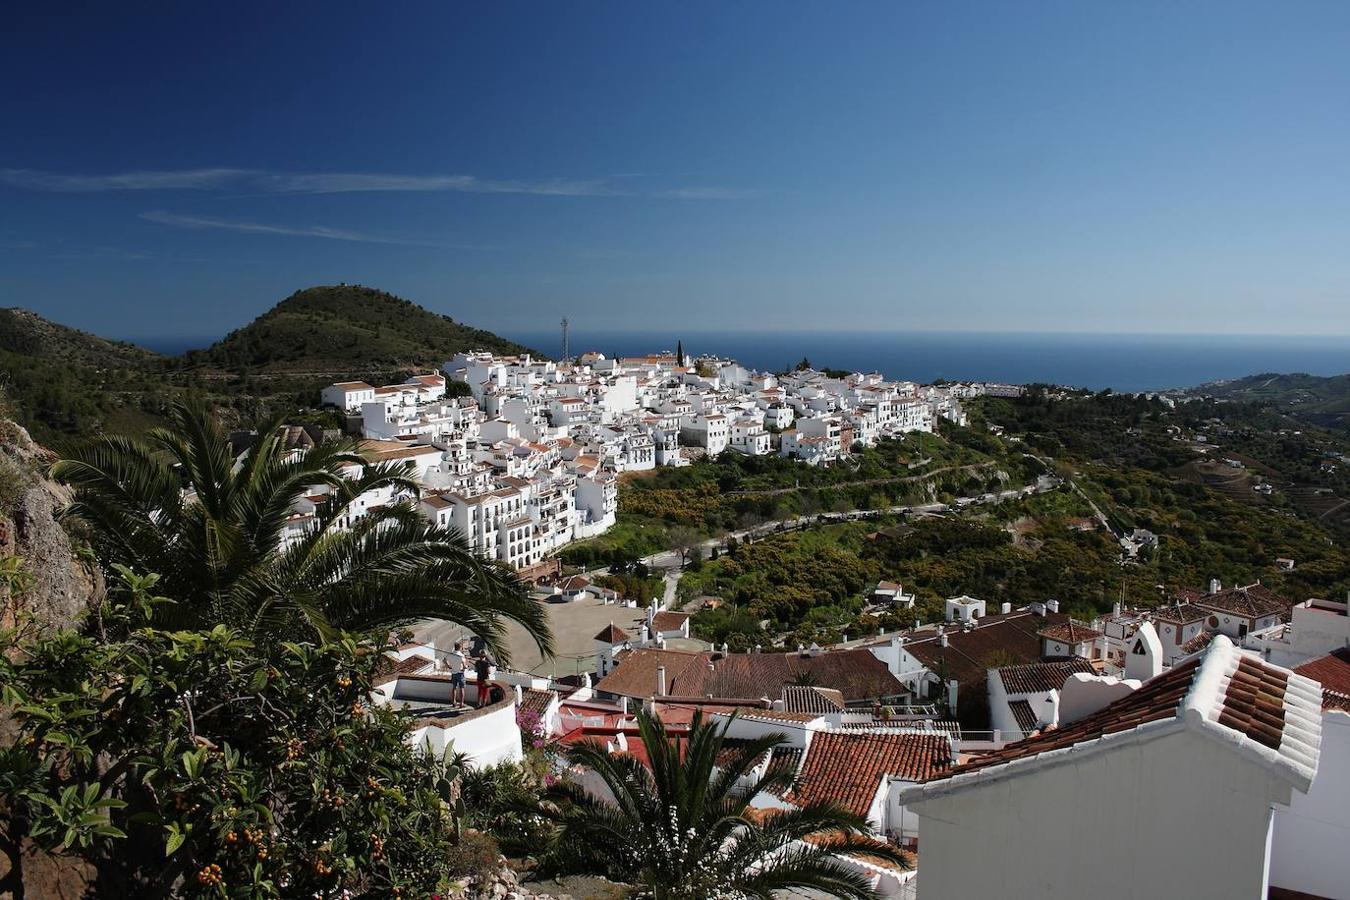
[942, 638]
[952, 687]
[1052, 605]
[661, 681]
[1215, 586]
[1005, 607]
[843, 638]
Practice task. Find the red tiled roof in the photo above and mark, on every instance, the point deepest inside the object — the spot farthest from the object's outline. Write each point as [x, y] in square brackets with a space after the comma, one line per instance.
[1197, 643]
[847, 768]
[1158, 699]
[1069, 632]
[1181, 614]
[1333, 673]
[1258, 708]
[536, 701]
[612, 634]
[967, 655]
[1038, 678]
[1253, 704]
[804, 699]
[856, 674]
[388, 667]
[1254, 601]
[669, 621]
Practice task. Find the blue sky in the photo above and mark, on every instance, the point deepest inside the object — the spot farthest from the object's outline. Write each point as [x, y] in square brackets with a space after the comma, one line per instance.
[175, 169]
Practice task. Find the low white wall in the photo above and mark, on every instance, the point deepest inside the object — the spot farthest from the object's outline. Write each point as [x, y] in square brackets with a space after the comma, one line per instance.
[487, 739]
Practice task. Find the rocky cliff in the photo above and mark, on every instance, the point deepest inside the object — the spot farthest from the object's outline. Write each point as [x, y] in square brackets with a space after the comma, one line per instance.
[62, 585]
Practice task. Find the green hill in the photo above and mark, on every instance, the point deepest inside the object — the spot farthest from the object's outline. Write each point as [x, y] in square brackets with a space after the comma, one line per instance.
[335, 329]
[1323, 401]
[62, 383]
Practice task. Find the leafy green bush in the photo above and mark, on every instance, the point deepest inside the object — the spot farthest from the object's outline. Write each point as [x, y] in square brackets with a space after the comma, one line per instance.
[187, 764]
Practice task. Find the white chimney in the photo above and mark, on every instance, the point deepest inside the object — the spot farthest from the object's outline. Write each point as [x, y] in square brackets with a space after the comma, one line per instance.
[952, 687]
[1052, 605]
[1215, 586]
[1005, 607]
[661, 681]
[942, 638]
[843, 638]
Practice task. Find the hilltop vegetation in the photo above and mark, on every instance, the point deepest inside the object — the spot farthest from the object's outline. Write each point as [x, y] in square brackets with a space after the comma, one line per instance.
[63, 381]
[1133, 457]
[1316, 400]
[345, 328]
[68, 384]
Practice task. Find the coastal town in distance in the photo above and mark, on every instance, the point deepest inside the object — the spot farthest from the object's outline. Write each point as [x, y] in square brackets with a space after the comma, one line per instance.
[899, 725]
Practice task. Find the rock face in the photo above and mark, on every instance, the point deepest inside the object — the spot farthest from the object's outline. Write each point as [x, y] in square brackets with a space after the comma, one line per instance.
[63, 586]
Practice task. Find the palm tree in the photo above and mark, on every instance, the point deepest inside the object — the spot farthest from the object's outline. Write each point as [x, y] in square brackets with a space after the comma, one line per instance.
[683, 828]
[178, 503]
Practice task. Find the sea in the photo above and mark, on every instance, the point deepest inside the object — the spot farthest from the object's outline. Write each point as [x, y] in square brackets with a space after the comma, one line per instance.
[1096, 361]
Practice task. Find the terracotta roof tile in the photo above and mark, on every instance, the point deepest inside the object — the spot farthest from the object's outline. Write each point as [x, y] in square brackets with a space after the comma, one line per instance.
[1038, 678]
[1252, 704]
[1027, 720]
[801, 698]
[847, 767]
[1181, 613]
[1333, 673]
[669, 621]
[1157, 699]
[536, 701]
[1069, 632]
[1254, 601]
[388, 667]
[612, 634]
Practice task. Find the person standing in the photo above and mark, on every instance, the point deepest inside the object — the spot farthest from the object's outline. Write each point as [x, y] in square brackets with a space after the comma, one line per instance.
[483, 669]
[457, 662]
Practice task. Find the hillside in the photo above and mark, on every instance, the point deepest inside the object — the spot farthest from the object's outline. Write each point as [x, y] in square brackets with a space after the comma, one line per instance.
[1318, 400]
[344, 328]
[62, 383]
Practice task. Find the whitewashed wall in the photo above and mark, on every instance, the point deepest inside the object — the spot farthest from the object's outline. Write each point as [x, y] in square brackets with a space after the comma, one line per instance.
[1175, 816]
[1310, 848]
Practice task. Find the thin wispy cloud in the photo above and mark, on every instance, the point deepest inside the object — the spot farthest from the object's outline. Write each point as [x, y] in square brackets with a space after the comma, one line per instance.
[253, 181]
[182, 180]
[196, 222]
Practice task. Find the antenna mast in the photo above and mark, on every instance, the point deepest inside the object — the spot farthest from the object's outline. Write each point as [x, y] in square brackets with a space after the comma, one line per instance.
[564, 337]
